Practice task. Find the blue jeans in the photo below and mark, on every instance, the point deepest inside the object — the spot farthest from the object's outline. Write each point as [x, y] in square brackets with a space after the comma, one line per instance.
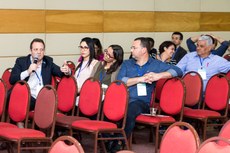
[135, 108]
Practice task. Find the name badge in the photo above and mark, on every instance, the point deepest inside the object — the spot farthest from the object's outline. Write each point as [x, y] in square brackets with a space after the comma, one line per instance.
[141, 89]
[202, 73]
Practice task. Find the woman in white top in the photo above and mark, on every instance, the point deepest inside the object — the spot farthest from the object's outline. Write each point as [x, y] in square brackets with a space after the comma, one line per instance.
[86, 65]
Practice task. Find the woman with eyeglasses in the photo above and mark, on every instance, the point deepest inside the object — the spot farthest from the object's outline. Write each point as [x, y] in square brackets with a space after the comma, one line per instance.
[86, 65]
[107, 70]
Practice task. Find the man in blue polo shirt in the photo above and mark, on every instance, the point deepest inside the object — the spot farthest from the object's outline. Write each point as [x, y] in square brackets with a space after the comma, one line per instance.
[140, 74]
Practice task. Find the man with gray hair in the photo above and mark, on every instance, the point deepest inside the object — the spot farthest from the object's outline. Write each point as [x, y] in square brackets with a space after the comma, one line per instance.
[203, 62]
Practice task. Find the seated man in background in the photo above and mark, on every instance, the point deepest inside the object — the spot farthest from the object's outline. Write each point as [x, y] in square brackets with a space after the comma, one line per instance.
[219, 51]
[177, 38]
[37, 69]
[140, 74]
[203, 62]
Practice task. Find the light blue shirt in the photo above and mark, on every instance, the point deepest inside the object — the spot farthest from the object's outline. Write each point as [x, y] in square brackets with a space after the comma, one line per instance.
[212, 64]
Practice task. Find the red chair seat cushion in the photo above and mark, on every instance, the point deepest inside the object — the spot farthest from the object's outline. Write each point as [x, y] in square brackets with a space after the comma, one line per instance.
[200, 113]
[7, 125]
[93, 125]
[17, 133]
[154, 119]
[68, 120]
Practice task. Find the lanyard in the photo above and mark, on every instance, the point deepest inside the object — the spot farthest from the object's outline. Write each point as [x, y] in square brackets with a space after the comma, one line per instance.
[102, 75]
[201, 62]
[39, 79]
[81, 69]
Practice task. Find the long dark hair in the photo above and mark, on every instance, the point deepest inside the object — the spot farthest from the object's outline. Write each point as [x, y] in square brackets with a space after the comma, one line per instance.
[118, 54]
[97, 42]
[90, 44]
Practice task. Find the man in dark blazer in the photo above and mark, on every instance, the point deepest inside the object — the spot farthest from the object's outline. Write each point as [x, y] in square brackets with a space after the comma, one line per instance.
[37, 69]
[177, 38]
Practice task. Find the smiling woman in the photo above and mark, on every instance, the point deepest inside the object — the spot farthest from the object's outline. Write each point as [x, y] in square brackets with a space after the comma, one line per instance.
[106, 71]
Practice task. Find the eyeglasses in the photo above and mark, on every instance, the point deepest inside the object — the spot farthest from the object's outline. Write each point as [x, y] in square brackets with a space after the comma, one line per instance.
[106, 51]
[134, 48]
[83, 47]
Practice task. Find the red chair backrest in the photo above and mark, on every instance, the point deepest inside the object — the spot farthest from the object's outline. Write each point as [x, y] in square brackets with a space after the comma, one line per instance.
[172, 96]
[6, 76]
[3, 96]
[158, 89]
[67, 92]
[54, 82]
[194, 86]
[19, 102]
[90, 97]
[180, 137]
[217, 92]
[212, 145]
[66, 144]
[46, 109]
[116, 101]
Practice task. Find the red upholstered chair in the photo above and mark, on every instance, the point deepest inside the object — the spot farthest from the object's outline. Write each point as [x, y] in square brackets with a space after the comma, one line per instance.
[54, 82]
[114, 111]
[66, 144]
[18, 105]
[3, 96]
[44, 122]
[225, 130]
[171, 104]
[71, 66]
[213, 145]
[67, 93]
[180, 137]
[6, 76]
[89, 104]
[194, 86]
[215, 104]
[228, 76]
[159, 85]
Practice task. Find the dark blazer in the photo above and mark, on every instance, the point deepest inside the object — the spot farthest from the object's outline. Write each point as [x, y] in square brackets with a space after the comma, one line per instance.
[48, 69]
[179, 54]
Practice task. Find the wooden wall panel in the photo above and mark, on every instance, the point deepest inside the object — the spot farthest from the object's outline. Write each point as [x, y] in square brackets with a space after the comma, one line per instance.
[69, 21]
[74, 21]
[115, 21]
[176, 21]
[215, 21]
[22, 21]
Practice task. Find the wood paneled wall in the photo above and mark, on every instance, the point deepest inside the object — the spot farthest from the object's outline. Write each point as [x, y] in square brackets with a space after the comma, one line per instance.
[68, 21]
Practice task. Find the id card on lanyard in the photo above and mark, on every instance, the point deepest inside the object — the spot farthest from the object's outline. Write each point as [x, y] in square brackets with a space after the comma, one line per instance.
[202, 70]
[141, 87]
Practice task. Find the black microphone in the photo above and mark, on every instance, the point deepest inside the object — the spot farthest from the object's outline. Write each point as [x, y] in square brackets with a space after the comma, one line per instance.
[36, 59]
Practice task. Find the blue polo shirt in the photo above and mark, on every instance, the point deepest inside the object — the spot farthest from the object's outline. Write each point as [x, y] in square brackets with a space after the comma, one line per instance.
[129, 69]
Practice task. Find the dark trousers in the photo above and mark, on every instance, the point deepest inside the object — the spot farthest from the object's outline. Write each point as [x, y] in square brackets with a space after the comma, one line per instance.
[134, 109]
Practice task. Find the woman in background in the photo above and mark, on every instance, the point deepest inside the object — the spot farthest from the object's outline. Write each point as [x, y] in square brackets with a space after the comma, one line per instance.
[98, 49]
[166, 50]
